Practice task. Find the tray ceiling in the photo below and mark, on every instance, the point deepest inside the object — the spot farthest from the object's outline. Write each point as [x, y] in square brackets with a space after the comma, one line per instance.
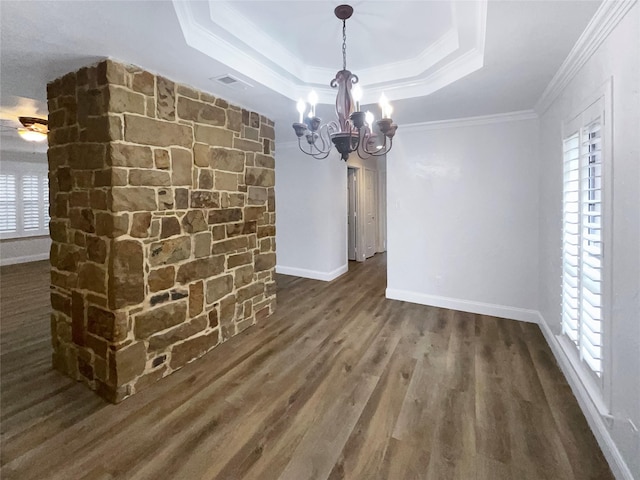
[293, 46]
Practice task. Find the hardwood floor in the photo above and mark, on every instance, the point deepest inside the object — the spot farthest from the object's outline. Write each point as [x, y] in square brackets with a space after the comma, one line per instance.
[340, 383]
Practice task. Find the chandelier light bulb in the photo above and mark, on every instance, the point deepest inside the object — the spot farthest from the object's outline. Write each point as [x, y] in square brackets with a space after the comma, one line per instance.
[369, 118]
[301, 106]
[356, 92]
[385, 107]
[313, 100]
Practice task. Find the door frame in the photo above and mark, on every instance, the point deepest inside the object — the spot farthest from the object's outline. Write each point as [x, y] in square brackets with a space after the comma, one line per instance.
[359, 224]
[375, 233]
[352, 213]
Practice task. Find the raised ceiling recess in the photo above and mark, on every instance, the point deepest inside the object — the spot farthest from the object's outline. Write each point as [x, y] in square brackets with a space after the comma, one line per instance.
[291, 47]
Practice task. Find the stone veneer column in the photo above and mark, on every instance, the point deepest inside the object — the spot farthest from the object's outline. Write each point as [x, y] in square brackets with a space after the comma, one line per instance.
[162, 221]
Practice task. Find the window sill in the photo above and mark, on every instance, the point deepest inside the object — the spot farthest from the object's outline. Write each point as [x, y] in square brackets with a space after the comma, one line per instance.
[12, 236]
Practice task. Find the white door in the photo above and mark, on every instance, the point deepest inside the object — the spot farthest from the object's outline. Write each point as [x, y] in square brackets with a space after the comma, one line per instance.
[370, 208]
[352, 215]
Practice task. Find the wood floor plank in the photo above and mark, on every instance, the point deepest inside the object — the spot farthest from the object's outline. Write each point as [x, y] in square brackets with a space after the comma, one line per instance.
[363, 454]
[492, 393]
[454, 450]
[340, 383]
[318, 450]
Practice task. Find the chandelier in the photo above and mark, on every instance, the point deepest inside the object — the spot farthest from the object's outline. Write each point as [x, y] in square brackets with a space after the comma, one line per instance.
[353, 132]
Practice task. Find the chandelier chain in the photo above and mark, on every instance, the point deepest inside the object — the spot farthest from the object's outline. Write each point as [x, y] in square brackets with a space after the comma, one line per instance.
[344, 44]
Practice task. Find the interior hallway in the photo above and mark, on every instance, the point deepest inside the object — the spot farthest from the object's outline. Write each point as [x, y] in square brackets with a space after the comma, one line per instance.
[339, 383]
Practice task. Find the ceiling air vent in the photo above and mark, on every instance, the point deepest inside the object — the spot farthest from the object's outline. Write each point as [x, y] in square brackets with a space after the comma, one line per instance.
[232, 82]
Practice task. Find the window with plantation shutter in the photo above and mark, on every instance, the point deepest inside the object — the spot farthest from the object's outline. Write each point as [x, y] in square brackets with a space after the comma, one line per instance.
[8, 204]
[586, 245]
[24, 200]
[582, 244]
[31, 208]
[44, 188]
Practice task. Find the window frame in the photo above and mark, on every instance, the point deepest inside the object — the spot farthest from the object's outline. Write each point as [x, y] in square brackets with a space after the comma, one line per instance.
[20, 170]
[598, 105]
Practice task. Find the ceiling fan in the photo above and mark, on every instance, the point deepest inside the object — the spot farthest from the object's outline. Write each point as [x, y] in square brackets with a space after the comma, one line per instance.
[33, 129]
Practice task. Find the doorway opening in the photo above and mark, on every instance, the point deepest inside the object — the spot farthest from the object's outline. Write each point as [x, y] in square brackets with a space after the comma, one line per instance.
[366, 212]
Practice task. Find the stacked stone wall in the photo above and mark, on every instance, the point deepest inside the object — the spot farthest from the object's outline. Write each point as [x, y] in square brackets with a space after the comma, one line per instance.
[162, 224]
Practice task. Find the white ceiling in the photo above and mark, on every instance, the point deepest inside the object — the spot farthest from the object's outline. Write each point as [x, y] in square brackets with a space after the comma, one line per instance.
[434, 59]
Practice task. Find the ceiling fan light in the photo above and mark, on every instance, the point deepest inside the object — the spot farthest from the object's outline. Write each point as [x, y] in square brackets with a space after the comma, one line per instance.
[35, 129]
[32, 135]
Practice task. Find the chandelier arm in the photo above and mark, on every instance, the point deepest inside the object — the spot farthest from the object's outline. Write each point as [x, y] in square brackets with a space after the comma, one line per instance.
[363, 157]
[325, 137]
[363, 145]
[319, 155]
[384, 150]
[324, 150]
[324, 134]
[368, 134]
[302, 149]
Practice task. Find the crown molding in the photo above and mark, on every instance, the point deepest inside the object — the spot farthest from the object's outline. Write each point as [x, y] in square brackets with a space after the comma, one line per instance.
[473, 121]
[516, 116]
[601, 25]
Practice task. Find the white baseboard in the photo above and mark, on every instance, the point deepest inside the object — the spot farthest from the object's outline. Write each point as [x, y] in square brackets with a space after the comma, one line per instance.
[618, 466]
[24, 259]
[313, 274]
[494, 310]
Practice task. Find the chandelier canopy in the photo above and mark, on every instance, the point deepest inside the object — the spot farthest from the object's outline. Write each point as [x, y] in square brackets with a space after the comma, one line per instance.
[353, 131]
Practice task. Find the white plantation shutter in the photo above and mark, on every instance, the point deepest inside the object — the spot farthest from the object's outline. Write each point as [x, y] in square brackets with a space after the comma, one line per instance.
[24, 200]
[44, 188]
[583, 243]
[571, 238]
[8, 204]
[31, 208]
[591, 212]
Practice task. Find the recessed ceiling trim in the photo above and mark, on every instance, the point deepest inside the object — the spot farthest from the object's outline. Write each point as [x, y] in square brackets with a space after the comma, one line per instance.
[229, 19]
[446, 45]
[456, 69]
[235, 58]
[456, 56]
